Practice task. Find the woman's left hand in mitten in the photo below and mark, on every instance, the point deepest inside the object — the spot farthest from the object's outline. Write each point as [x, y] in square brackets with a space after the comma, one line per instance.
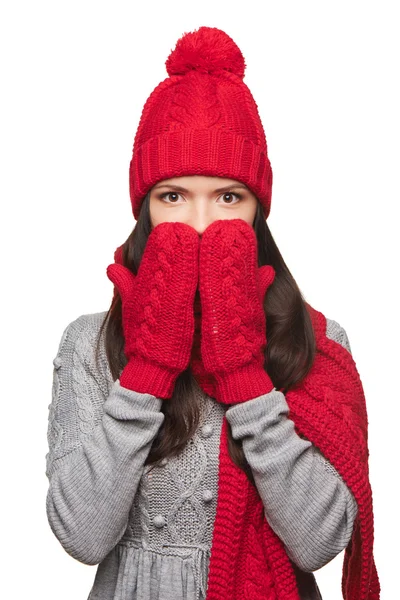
[233, 331]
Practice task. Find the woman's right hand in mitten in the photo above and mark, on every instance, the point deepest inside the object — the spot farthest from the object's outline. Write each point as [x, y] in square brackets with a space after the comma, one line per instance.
[157, 309]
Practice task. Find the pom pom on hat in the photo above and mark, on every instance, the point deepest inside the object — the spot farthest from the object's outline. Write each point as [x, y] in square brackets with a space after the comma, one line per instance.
[208, 50]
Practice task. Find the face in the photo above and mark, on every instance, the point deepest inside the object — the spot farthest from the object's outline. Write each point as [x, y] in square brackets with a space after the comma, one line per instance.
[198, 200]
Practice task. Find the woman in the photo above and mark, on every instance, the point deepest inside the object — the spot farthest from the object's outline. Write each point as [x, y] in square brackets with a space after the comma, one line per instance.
[188, 457]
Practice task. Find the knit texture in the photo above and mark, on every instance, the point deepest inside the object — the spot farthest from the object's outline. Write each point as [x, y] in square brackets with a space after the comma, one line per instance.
[328, 408]
[232, 291]
[157, 309]
[248, 558]
[201, 120]
[164, 553]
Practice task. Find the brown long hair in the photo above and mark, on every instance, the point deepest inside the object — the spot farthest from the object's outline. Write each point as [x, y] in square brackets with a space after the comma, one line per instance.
[289, 352]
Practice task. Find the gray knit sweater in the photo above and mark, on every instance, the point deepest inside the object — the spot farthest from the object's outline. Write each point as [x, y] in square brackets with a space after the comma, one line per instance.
[151, 532]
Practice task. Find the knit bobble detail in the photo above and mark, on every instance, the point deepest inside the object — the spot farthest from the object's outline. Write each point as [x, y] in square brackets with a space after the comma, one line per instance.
[208, 50]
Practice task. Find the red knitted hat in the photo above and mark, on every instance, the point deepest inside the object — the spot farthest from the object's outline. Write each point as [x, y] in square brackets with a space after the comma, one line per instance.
[201, 120]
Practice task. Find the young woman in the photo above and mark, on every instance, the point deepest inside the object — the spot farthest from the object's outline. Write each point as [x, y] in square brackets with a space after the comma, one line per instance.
[188, 457]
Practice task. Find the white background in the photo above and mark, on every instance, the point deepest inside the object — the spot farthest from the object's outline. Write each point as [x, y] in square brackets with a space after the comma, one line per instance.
[75, 76]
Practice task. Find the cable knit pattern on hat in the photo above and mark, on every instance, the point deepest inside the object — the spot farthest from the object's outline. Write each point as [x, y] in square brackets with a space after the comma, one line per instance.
[191, 106]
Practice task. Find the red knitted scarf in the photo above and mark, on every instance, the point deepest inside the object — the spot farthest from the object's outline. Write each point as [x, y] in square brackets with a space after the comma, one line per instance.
[248, 560]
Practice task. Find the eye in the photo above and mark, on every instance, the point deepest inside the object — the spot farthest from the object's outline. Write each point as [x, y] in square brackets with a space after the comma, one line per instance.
[238, 196]
[165, 194]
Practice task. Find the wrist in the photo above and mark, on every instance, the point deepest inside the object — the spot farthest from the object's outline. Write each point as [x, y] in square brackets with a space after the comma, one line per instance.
[145, 377]
[242, 384]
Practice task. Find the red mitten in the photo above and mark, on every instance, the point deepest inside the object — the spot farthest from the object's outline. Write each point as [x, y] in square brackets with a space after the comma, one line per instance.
[157, 309]
[232, 289]
[204, 379]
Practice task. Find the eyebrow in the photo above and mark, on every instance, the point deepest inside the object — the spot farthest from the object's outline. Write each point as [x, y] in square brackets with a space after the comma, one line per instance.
[182, 189]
